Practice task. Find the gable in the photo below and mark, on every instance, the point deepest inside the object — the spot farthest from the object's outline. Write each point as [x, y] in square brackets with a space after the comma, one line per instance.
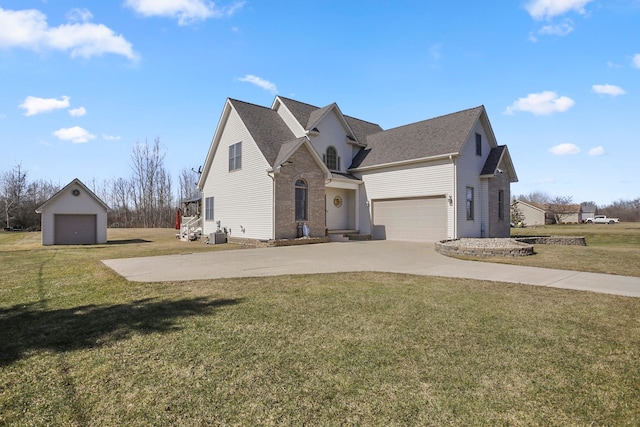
[265, 127]
[75, 197]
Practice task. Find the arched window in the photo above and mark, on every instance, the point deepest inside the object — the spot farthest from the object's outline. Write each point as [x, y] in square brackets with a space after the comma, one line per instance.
[301, 200]
[331, 158]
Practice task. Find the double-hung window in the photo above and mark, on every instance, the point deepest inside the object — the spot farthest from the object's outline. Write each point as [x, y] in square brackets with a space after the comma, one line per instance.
[208, 209]
[235, 156]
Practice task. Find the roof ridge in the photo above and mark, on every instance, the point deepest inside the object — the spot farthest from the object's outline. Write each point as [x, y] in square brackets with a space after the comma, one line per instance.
[299, 102]
[360, 120]
[436, 118]
[249, 103]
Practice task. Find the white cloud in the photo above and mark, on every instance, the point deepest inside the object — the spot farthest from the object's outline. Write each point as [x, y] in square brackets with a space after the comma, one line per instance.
[558, 29]
[564, 149]
[76, 134]
[35, 105]
[635, 61]
[546, 9]
[264, 84]
[597, 151]
[186, 11]
[79, 15]
[110, 137]
[607, 89]
[77, 112]
[28, 29]
[542, 103]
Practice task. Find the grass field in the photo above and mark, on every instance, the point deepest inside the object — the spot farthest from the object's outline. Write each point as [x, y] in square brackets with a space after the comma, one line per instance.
[612, 249]
[81, 346]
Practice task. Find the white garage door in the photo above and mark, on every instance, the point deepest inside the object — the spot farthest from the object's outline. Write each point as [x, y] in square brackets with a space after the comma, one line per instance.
[419, 219]
[75, 230]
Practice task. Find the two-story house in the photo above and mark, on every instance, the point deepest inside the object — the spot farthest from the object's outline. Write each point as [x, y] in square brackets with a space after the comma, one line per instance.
[291, 169]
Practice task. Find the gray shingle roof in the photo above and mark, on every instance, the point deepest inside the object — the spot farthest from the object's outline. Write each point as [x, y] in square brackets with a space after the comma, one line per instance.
[307, 114]
[300, 110]
[429, 138]
[493, 159]
[266, 127]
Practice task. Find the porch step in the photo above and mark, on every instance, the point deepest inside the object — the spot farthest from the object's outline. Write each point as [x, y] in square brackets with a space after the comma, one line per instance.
[359, 237]
[346, 235]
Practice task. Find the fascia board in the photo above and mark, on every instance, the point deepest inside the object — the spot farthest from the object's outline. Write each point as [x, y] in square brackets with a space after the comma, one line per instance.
[405, 162]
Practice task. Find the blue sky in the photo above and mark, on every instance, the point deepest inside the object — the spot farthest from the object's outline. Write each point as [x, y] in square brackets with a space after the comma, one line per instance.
[81, 82]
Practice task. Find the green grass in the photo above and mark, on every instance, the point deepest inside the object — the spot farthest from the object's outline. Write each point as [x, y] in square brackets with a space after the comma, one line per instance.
[611, 249]
[81, 346]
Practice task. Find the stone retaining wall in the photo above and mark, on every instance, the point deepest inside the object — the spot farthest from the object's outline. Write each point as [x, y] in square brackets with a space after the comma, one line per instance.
[512, 249]
[273, 243]
[553, 240]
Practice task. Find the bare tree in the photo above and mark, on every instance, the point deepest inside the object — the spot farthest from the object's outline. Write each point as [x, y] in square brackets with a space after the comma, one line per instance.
[188, 179]
[561, 208]
[538, 197]
[626, 210]
[13, 188]
[151, 186]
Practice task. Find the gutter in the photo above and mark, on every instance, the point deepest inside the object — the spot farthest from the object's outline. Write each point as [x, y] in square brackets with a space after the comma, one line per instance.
[449, 156]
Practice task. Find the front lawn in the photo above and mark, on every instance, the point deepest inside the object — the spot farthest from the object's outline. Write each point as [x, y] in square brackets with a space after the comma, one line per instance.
[81, 346]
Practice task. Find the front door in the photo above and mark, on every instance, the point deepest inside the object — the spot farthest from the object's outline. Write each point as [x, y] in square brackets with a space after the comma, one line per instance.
[339, 205]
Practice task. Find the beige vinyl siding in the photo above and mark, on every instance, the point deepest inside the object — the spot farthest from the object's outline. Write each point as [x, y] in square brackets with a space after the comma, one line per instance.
[243, 197]
[332, 133]
[291, 121]
[421, 180]
[532, 215]
[468, 168]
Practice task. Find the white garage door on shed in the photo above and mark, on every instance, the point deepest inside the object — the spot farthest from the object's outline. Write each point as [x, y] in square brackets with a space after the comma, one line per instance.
[415, 219]
[75, 229]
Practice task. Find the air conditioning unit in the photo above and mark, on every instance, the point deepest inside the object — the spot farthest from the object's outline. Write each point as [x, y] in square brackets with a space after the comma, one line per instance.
[217, 238]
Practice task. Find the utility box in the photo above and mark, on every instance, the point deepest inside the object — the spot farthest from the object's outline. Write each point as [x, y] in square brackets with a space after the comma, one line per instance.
[217, 238]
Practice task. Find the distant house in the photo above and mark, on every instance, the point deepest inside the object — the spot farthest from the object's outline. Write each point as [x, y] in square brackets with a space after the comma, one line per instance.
[296, 169]
[540, 214]
[533, 213]
[73, 216]
[587, 211]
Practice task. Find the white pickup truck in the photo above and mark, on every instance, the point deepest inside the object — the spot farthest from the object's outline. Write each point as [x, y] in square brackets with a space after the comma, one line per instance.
[601, 219]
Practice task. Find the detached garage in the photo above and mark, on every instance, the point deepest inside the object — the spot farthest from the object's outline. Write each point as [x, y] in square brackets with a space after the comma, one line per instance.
[74, 216]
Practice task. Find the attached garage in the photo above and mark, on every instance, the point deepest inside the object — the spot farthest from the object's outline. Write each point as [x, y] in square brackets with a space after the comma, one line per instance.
[74, 216]
[412, 219]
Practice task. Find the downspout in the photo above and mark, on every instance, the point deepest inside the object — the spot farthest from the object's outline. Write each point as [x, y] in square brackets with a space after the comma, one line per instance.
[272, 175]
[455, 197]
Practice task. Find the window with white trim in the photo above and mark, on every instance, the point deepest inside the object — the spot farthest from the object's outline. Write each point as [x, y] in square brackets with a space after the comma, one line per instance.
[478, 144]
[235, 156]
[208, 209]
[331, 158]
[500, 204]
[470, 206]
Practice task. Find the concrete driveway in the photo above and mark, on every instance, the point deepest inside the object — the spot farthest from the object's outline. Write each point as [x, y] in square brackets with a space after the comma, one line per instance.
[382, 256]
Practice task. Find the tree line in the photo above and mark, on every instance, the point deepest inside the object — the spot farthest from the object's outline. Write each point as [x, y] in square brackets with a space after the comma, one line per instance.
[562, 206]
[148, 198]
